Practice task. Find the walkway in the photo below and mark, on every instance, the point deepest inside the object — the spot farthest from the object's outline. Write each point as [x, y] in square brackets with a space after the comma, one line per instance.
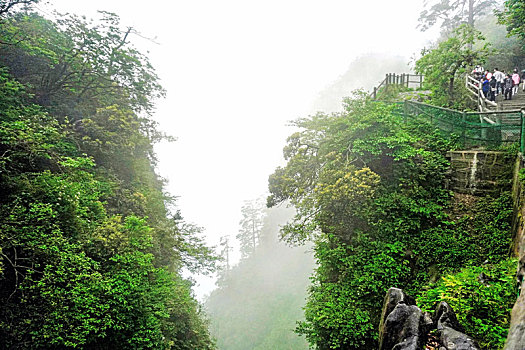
[497, 123]
[517, 102]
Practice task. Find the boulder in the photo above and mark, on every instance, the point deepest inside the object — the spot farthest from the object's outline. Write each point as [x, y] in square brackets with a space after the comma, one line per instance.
[404, 327]
[401, 322]
[446, 317]
[450, 332]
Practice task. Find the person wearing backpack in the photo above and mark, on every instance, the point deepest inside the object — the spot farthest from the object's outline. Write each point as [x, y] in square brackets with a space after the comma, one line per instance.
[493, 89]
[508, 84]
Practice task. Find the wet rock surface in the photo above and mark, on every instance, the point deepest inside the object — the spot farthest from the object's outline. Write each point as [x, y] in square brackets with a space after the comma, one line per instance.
[450, 332]
[404, 327]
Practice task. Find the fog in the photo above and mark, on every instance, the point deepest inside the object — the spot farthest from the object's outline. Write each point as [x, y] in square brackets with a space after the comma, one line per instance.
[259, 300]
[237, 71]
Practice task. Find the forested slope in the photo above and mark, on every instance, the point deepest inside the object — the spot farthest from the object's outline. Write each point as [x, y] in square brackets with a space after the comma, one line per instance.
[258, 301]
[91, 249]
[369, 187]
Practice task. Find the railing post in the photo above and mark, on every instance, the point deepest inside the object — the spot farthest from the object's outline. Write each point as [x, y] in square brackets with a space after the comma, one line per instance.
[464, 128]
[375, 93]
[483, 128]
[405, 111]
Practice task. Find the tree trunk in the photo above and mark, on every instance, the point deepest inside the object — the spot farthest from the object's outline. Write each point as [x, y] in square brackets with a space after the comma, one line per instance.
[470, 20]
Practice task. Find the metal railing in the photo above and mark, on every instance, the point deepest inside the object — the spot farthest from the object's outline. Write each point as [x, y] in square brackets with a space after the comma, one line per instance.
[489, 129]
[408, 80]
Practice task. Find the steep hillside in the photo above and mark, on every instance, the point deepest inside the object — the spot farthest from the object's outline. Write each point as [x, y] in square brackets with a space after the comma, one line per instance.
[90, 255]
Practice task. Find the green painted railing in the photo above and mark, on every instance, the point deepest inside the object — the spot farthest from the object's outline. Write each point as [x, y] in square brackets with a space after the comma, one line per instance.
[474, 129]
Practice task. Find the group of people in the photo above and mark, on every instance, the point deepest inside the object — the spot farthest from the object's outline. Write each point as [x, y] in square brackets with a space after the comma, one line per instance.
[499, 82]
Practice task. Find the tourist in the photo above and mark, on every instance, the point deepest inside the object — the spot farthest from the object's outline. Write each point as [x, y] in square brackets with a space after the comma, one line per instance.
[485, 87]
[507, 86]
[493, 88]
[500, 77]
[516, 81]
[477, 72]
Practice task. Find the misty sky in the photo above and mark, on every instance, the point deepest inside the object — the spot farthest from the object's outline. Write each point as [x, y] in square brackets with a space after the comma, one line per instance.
[236, 71]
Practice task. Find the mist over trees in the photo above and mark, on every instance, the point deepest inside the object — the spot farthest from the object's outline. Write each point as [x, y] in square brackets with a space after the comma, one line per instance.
[249, 235]
[364, 72]
[259, 300]
[450, 14]
[93, 251]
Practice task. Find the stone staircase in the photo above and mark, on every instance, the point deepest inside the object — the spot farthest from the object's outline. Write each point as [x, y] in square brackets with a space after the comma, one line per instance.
[517, 102]
[510, 121]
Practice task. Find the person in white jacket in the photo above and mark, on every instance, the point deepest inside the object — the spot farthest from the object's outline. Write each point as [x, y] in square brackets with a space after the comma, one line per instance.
[500, 77]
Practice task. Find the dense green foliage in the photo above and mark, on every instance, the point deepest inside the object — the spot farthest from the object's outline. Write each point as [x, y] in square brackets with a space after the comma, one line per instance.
[258, 301]
[369, 189]
[482, 296]
[513, 17]
[507, 51]
[445, 66]
[90, 256]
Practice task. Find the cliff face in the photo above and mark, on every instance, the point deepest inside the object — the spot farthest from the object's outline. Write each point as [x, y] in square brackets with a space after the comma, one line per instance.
[516, 337]
[477, 172]
[404, 325]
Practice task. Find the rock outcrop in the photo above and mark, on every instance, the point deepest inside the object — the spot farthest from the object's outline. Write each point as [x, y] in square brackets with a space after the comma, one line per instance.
[401, 322]
[450, 332]
[404, 327]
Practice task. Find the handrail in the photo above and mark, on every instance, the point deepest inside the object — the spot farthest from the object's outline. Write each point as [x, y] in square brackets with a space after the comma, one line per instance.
[482, 100]
[436, 107]
[403, 79]
[487, 131]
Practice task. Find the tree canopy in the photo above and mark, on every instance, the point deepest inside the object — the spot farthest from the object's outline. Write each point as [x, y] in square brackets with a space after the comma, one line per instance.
[445, 65]
[452, 13]
[369, 189]
[91, 256]
[513, 17]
